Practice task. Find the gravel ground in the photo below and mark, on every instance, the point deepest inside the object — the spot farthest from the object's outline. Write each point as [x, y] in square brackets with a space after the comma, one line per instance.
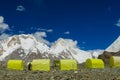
[80, 74]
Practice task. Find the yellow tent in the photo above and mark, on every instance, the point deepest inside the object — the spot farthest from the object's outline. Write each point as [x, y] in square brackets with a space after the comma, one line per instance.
[66, 64]
[114, 61]
[94, 63]
[41, 64]
[15, 64]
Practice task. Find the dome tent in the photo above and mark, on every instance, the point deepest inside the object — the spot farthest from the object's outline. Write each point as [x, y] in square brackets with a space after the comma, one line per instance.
[15, 65]
[94, 63]
[66, 64]
[114, 61]
[40, 64]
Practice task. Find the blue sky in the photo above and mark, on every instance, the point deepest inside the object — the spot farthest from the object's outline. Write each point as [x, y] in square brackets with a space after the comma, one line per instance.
[94, 24]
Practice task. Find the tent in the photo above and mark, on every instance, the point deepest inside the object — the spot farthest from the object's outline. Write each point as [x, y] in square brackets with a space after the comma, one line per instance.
[66, 64]
[40, 64]
[94, 63]
[114, 61]
[15, 65]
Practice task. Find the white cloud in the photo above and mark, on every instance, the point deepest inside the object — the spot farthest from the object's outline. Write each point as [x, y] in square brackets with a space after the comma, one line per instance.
[67, 32]
[3, 26]
[21, 32]
[4, 36]
[1, 19]
[118, 23]
[83, 42]
[50, 30]
[40, 36]
[41, 29]
[71, 43]
[20, 8]
[96, 53]
[68, 42]
[45, 30]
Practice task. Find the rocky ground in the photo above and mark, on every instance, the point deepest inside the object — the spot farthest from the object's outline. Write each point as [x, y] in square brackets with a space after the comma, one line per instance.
[80, 74]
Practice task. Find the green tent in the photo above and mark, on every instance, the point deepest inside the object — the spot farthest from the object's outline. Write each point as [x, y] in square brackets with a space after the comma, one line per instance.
[114, 61]
[41, 64]
[94, 63]
[15, 65]
[66, 64]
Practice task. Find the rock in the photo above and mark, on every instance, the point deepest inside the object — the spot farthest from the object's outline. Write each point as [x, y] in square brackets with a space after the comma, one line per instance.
[106, 56]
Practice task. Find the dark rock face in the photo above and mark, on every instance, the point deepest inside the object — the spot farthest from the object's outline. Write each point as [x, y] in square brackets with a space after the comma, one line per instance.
[20, 54]
[106, 56]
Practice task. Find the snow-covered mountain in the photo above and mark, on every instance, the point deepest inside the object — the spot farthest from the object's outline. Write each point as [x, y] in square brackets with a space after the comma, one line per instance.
[115, 46]
[24, 44]
[112, 50]
[27, 47]
[65, 48]
[96, 53]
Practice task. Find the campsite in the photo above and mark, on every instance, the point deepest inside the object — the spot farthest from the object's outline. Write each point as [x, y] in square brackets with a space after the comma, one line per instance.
[81, 72]
[59, 39]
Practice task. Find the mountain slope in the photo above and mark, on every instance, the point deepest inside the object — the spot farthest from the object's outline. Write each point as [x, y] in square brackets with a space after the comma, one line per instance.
[25, 44]
[112, 50]
[66, 48]
[27, 47]
[115, 46]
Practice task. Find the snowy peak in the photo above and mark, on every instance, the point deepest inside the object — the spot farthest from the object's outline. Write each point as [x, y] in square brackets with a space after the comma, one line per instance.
[26, 43]
[62, 45]
[66, 48]
[115, 46]
[28, 47]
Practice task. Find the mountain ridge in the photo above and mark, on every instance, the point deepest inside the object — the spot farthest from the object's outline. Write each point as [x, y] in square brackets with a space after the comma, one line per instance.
[112, 50]
[28, 47]
[115, 46]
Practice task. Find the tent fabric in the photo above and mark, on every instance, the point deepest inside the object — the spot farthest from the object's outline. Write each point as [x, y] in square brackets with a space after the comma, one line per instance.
[15, 64]
[66, 64]
[94, 63]
[41, 64]
[114, 61]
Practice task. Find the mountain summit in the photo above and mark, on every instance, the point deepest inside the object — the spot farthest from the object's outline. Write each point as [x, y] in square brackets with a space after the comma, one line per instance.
[27, 47]
[115, 46]
[65, 48]
[21, 46]
[112, 50]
